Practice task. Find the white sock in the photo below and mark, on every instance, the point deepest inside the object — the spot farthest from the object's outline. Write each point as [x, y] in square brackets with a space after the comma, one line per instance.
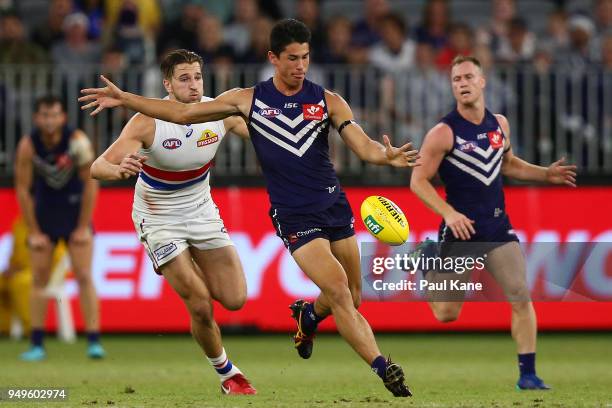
[223, 366]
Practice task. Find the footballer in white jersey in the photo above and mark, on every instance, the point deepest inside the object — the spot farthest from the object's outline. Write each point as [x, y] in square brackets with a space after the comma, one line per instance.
[174, 214]
[173, 187]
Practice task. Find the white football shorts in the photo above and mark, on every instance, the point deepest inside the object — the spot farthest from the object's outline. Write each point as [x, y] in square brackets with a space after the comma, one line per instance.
[166, 236]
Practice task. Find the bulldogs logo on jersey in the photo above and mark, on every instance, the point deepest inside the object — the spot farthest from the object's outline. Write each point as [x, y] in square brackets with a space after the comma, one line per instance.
[312, 111]
[207, 137]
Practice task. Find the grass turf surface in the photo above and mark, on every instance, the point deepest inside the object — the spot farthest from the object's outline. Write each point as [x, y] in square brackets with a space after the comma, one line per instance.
[444, 370]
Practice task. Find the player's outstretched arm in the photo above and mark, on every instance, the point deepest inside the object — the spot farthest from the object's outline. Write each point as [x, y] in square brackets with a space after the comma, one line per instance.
[438, 142]
[359, 142]
[121, 160]
[171, 111]
[518, 169]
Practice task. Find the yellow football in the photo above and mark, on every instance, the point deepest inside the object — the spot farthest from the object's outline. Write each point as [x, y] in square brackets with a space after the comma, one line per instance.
[385, 220]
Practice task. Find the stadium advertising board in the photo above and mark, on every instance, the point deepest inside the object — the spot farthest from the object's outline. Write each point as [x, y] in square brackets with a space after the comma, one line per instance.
[134, 298]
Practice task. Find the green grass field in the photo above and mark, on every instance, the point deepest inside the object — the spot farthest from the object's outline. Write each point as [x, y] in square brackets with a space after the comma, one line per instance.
[444, 370]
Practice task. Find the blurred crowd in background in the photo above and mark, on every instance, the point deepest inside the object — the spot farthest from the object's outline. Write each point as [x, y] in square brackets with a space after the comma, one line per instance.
[377, 32]
[548, 62]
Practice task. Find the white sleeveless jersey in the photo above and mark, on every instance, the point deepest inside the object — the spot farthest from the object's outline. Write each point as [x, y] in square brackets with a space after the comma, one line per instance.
[175, 175]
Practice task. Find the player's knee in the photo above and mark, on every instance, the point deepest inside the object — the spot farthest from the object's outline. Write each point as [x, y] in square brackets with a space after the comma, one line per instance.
[518, 294]
[446, 314]
[521, 306]
[235, 302]
[83, 279]
[338, 294]
[202, 311]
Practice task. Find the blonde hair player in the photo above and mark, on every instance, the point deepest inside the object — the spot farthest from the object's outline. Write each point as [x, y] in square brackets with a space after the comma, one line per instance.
[470, 148]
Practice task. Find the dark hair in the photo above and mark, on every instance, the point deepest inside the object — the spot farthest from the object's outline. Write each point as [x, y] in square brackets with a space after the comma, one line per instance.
[395, 21]
[455, 27]
[426, 18]
[48, 100]
[175, 57]
[518, 23]
[10, 13]
[288, 31]
[460, 59]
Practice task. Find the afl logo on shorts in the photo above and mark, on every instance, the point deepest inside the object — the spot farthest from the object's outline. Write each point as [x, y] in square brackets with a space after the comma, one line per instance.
[270, 112]
[312, 112]
[496, 139]
[171, 144]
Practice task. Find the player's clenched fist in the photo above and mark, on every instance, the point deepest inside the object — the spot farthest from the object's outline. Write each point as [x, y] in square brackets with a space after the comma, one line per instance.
[131, 165]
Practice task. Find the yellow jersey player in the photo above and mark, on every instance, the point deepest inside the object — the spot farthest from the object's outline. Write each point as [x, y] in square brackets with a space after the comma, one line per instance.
[16, 280]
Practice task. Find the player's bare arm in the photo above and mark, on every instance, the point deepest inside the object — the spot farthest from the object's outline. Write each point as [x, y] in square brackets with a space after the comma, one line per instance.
[237, 126]
[359, 142]
[83, 153]
[121, 160]
[23, 183]
[438, 142]
[237, 123]
[518, 169]
[228, 104]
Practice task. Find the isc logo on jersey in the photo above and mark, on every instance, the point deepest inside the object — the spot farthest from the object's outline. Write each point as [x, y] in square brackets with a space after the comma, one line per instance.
[270, 112]
[207, 137]
[312, 111]
[385, 220]
[171, 144]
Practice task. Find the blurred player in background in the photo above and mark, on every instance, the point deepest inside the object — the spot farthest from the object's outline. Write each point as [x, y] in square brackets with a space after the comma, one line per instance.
[174, 214]
[16, 280]
[53, 162]
[470, 148]
[289, 119]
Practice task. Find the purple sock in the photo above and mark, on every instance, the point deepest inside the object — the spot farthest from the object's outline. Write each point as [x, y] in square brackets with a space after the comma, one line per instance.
[37, 337]
[379, 366]
[93, 337]
[310, 320]
[526, 363]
